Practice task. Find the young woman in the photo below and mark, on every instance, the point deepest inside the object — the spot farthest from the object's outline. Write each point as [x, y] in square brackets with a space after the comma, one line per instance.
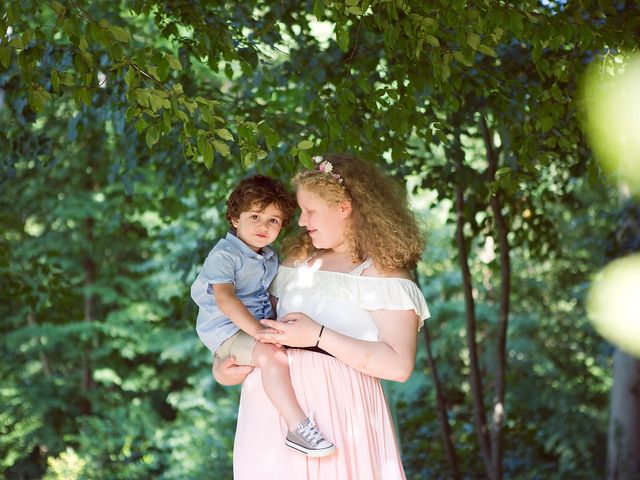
[347, 302]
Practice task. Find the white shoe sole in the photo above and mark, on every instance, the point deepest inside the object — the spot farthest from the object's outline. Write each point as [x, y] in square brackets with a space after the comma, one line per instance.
[311, 453]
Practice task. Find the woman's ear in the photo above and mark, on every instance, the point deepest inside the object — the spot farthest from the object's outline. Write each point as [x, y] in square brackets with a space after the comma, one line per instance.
[345, 208]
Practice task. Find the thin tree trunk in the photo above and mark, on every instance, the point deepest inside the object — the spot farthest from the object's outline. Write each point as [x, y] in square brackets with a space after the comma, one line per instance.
[623, 461]
[443, 418]
[475, 379]
[503, 318]
[441, 406]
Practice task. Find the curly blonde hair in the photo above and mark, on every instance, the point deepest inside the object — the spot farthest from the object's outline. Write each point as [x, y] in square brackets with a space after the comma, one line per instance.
[382, 225]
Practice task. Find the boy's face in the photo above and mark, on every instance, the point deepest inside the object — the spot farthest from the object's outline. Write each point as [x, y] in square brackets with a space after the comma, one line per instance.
[258, 228]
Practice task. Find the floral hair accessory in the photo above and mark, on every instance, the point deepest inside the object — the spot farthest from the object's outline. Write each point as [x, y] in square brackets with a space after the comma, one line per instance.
[325, 166]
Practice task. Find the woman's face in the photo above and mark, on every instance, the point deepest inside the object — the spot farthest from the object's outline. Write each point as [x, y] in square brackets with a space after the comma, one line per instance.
[325, 221]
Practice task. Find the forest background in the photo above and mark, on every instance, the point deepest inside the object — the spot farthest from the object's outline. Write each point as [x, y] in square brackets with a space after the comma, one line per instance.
[123, 127]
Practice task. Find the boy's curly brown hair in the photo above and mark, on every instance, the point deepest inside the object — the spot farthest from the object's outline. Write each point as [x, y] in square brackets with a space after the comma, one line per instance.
[260, 191]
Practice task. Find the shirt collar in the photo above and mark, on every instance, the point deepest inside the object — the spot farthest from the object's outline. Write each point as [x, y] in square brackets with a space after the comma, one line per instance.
[246, 250]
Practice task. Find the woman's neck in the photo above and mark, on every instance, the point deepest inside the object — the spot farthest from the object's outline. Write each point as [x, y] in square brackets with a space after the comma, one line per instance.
[334, 261]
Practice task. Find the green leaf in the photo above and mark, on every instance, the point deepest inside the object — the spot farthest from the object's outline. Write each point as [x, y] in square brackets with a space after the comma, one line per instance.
[140, 124]
[156, 102]
[5, 56]
[163, 69]
[248, 159]
[342, 37]
[37, 98]
[228, 71]
[272, 140]
[58, 8]
[516, 23]
[189, 104]
[545, 124]
[355, 10]
[202, 141]
[428, 22]
[305, 145]
[27, 36]
[473, 40]
[222, 148]
[207, 153]
[151, 70]
[117, 53]
[431, 40]
[224, 134]
[120, 34]
[81, 95]
[67, 79]
[166, 121]
[17, 43]
[142, 97]
[487, 50]
[181, 114]
[174, 63]
[207, 115]
[459, 56]
[503, 172]
[497, 34]
[131, 78]
[55, 81]
[318, 9]
[153, 135]
[305, 159]
[418, 49]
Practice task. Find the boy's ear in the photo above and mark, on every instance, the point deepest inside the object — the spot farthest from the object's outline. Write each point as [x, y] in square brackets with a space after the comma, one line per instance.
[235, 222]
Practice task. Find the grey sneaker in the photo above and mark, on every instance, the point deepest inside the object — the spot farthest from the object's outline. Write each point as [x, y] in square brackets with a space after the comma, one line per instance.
[308, 440]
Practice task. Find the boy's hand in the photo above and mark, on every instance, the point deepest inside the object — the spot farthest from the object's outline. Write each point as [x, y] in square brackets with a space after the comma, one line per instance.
[226, 372]
[264, 334]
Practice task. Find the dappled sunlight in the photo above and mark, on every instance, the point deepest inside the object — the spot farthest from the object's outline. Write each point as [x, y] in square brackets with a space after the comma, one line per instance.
[612, 97]
[614, 303]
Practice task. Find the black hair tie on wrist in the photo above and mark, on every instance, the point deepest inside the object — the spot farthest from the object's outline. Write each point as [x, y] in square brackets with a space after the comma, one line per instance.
[319, 335]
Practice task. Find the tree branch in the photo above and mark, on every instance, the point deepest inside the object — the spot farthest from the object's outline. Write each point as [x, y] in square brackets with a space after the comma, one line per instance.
[475, 378]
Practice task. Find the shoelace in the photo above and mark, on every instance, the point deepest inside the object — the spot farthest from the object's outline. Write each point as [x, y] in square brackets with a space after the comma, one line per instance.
[310, 434]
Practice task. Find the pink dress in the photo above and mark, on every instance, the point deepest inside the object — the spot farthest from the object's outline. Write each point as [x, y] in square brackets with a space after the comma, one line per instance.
[349, 407]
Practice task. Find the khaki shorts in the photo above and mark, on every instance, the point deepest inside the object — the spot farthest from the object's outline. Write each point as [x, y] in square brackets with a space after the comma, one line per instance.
[239, 345]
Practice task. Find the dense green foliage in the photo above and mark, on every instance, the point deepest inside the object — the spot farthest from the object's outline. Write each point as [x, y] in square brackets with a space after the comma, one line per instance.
[123, 126]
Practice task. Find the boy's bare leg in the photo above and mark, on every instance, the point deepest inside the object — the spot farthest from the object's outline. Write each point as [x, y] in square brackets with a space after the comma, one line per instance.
[274, 368]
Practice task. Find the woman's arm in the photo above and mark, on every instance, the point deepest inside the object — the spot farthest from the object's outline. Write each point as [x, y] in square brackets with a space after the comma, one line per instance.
[226, 372]
[392, 357]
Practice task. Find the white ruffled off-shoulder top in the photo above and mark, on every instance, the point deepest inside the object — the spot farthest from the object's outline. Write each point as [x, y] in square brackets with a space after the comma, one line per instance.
[344, 301]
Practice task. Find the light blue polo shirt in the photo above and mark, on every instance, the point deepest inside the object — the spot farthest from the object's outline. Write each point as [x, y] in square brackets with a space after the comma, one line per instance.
[232, 261]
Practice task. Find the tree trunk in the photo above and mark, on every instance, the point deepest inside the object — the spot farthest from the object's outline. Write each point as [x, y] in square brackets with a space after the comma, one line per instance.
[624, 422]
[503, 317]
[475, 378]
[443, 417]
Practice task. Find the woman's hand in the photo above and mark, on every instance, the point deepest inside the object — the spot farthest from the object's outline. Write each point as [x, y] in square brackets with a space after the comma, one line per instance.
[226, 372]
[294, 330]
